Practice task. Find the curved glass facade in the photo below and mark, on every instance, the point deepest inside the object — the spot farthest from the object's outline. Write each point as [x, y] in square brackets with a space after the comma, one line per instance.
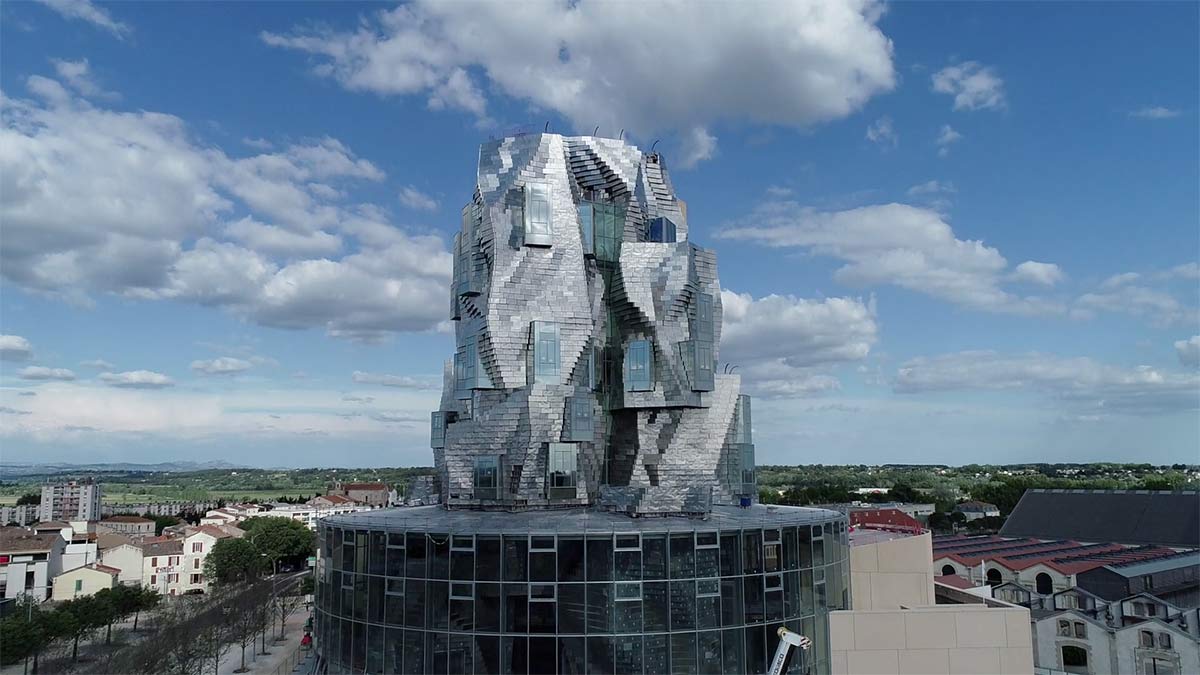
[427, 590]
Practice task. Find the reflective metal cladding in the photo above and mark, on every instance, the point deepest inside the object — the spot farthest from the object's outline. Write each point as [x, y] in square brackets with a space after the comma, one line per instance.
[586, 326]
[595, 469]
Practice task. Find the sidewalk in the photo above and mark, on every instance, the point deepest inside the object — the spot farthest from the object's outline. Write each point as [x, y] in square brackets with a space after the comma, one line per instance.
[281, 652]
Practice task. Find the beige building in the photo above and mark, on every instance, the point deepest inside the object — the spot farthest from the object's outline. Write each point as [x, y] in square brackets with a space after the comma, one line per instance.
[83, 581]
[128, 559]
[132, 526]
[902, 621]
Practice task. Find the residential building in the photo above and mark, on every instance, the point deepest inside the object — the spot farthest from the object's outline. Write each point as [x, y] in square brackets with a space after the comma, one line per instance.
[231, 514]
[309, 513]
[72, 500]
[586, 322]
[167, 508]
[83, 581]
[134, 526]
[903, 621]
[1127, 517]
[371, 494]
[77, 555]
[128, 559]
[197, 544]
[163, 566]
[974, 510]
[25, 514]
[28, 562]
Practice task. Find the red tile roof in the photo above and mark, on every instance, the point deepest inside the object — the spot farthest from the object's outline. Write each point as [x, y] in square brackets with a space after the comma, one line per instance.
[126, 519]
[886, 519]
[19, 540]
[364, 486]
[335, 499]
[212, 530]
[105, 568]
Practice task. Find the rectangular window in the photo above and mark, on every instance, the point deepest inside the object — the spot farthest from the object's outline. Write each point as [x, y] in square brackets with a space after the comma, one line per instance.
[78, 585]
[196, 563]
[545, 352]
[197, 547]
[661, 230]
[1080, 630]
[562, 470]
[487, 478]
[579, 419]
[1164, 641]
[741, 429]
[153, 579]
[746, 451]
[639, 366]
[1147, 639]
[538, 228]
[701, 318]
[586, 229]
[467, 268]
[154, 561]
[608, 221]
[197, 578]
[697, 357]
[437, 429]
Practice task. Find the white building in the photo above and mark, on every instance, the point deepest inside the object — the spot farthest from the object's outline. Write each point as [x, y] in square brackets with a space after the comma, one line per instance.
[198, 543]
[1076, 641]
[28, 562]
[974, 510]
[128, 559]
[310, 514]
[162, 566]
[25, 514]
[73, 500]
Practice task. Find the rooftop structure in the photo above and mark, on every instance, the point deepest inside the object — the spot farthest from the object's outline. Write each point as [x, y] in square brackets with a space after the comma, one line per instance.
[1170, 519]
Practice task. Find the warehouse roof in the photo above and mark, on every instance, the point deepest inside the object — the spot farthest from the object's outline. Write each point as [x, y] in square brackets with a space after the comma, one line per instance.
[1120, 516]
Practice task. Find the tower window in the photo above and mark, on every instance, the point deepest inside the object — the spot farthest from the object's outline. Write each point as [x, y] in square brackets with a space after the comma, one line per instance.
[661, 230]
[638, 366]
[545, 352]
[487, 478]
[741, 423]
[538, 228]
[562, 470]
[579, 418]
[437, 429]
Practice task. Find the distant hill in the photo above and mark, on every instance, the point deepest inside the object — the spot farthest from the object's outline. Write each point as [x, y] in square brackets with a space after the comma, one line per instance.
[13, 469]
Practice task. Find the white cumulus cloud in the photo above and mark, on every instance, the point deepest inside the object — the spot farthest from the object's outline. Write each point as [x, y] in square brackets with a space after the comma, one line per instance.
[44, 373]
[899, 244]
[1156, 112]
[86, 10]
[1189, 351]
[973, 85]
[648, 67]
[225, 365]
[1081, 385]
[137, 379]
[881, 132]
[946, 137]
[413, 198]
[1045, 274]
[15, 348]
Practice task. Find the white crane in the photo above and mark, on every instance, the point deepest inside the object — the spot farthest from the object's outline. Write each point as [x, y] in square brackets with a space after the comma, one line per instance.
[787, 640]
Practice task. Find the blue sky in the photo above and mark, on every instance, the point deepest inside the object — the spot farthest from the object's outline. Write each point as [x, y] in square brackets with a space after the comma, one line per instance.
[952, 233]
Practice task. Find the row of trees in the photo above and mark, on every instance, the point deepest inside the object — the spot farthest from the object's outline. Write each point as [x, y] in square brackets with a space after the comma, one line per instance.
[30, 628]
[193, 634]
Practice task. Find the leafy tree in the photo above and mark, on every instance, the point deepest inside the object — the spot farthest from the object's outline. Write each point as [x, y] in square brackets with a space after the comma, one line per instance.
[32, 499]
[162, 522]
[279, 538]
[939, 522]
[86, 615]
[233, 560]
[902, 492]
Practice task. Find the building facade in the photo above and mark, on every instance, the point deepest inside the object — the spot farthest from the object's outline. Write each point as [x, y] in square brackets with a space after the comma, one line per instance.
[83, 581]
[72, 500]
[133, 526]
[29, 562]
[595, 489]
